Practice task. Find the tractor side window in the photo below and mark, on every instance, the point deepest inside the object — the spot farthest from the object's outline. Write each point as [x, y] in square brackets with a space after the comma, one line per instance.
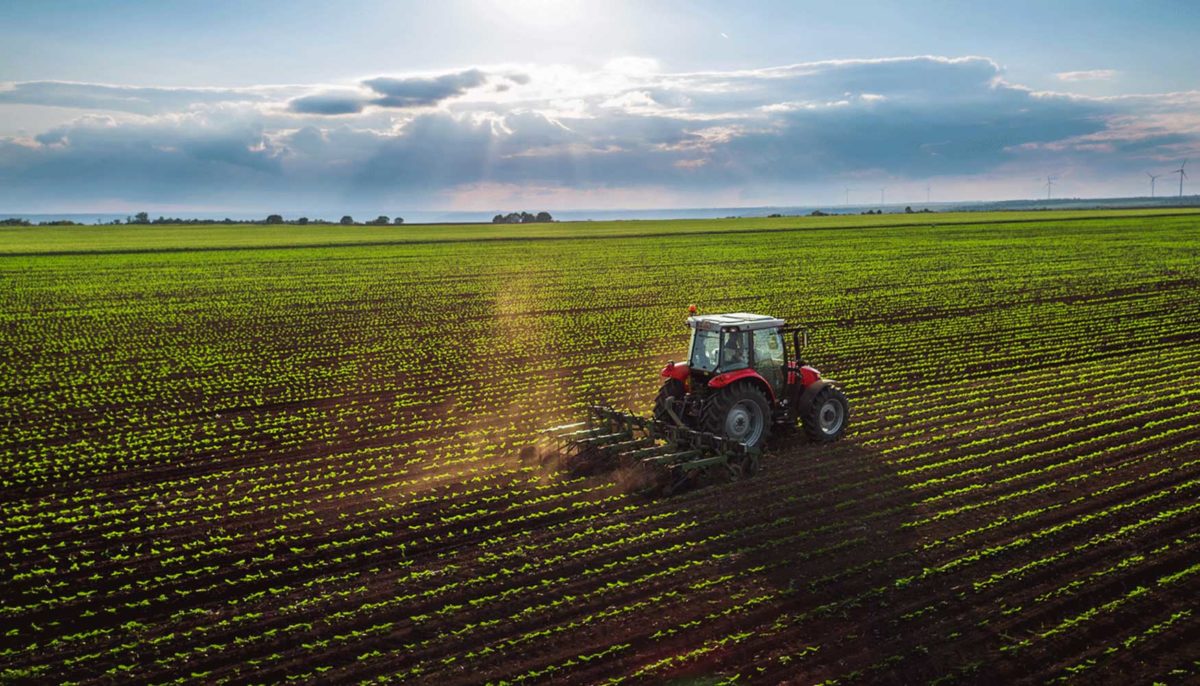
[705, 351]
[735, 350]
[769, 357]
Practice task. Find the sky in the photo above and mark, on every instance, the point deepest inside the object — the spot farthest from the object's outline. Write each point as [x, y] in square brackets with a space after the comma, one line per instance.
[480, 105]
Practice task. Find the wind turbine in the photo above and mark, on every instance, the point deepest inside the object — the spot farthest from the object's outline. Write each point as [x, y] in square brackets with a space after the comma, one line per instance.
[881, 192]
[847, 195]
[1050, 185]
[1152, 178]
[1182, 175]
[926, 194]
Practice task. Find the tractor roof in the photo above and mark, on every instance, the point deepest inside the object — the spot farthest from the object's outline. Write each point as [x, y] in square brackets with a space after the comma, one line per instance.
[734, 321]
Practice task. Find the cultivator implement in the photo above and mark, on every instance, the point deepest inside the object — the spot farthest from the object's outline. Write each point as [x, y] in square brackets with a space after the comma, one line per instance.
[661, 456]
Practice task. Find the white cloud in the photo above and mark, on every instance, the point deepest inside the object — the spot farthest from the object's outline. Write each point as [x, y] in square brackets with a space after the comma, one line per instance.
[635, 102]
[136, 99]
[633, 66]
[1091, 75]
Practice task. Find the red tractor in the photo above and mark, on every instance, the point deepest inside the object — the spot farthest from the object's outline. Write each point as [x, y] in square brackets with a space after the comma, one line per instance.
[742, 380]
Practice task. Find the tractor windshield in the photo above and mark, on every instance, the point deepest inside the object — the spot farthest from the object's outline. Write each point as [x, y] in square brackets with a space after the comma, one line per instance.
[706, 351]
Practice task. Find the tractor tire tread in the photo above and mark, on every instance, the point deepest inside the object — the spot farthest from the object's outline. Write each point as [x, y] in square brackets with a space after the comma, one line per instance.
[722, 402]
[809, 415]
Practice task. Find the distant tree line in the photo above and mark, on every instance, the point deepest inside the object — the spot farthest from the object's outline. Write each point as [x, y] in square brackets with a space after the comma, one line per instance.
[144, 218]
[381, 220]
[17, 221]
[822, 213]
[522, 218]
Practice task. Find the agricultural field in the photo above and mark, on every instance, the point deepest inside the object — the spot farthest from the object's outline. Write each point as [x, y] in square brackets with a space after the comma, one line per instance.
[301, 454]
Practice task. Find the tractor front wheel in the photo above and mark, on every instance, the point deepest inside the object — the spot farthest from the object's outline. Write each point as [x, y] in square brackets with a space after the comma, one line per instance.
[826, 418]
[740, 413]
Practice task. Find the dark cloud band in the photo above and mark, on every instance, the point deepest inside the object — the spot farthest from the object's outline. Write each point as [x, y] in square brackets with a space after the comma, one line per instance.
[327, 104]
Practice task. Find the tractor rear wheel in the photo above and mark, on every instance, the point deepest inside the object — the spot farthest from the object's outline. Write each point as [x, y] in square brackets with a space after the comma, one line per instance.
[826, 418]
[741, 413]
[671, 391]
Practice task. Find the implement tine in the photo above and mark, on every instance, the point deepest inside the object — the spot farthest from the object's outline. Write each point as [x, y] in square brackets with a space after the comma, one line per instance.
[631, 444]
[664, 449]
[604, 439]
[640, 454]
[564, 427]
[672, 458]
[575, 436]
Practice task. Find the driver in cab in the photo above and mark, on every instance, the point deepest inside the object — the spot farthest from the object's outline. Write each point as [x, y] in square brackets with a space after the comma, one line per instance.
[734, 354]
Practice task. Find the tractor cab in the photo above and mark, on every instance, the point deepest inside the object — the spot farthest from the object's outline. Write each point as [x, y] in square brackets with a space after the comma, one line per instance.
[727, 343]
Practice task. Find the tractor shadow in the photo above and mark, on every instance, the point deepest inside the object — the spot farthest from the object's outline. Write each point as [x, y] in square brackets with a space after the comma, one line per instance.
[816, 517]
[837, 513]
[820, 529]
[809, 562]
